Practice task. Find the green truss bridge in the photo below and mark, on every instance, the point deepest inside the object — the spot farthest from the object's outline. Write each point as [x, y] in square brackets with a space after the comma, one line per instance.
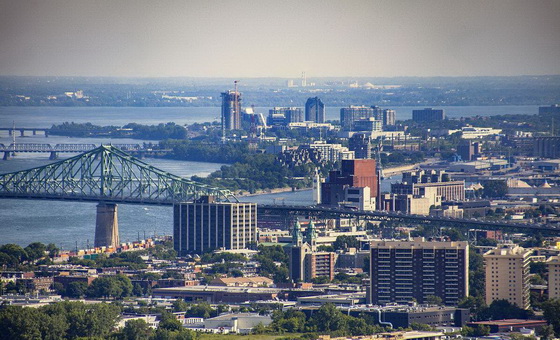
[109, 176]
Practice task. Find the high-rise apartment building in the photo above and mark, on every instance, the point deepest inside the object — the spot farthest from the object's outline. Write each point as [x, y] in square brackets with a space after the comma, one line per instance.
[348, 115]
[553, 264]
[427, 115]
[231, 110]
[315, 110]
[507, 275]
[330, 152]
[360, 143]
[389, 117]
[205, 225]
[403, 271]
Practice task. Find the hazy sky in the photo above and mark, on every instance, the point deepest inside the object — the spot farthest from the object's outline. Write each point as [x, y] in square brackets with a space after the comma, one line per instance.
[261, 38]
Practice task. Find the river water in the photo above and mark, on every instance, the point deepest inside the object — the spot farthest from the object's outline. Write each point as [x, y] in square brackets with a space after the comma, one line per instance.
[71, 224]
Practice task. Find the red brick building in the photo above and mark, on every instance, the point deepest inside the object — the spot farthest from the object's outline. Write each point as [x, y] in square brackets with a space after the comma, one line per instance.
[356, 173]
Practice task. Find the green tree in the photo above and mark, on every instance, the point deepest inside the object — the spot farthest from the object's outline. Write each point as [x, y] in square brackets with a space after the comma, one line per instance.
[35, 251]
[259, 329]
[328, 318]
[53, 250]
[76, 289]
[136, 330]
[495, 189]
[118, 286]
[180, 305]
[169, 322]
[551, 311]
[15, 253]
[20, 323]
[201, 310]
[546, 332]
[434, 300]
[473, 303]
[477, 274]
[421, 327]
[503, 309]
[478, 331]
[344, 242]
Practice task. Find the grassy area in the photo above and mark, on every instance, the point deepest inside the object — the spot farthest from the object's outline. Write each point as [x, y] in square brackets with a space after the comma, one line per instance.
[244, 337]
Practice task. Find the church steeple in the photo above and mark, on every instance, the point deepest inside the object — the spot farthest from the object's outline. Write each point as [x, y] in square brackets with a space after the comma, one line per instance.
[311, 234]
[297, 237]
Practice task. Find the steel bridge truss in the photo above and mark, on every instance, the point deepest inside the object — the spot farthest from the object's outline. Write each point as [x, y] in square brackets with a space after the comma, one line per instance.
[105, 174]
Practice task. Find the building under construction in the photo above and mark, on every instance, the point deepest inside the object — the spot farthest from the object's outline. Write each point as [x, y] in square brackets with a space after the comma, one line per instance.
[231, 110]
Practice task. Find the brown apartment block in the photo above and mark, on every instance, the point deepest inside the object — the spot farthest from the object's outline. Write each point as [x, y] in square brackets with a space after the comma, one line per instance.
[403, 271]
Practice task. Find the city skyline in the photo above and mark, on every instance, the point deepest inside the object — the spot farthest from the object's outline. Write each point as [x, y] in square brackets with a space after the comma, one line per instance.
[279, 39]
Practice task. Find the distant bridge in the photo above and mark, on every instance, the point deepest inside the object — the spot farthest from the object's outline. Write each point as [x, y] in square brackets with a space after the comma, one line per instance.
[22, 130]
[107, 175]
[9, 150]
[336, 212]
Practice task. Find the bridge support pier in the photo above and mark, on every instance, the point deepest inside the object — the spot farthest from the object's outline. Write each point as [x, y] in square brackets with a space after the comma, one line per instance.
[7, 155]
[53, 156]
[106, 226]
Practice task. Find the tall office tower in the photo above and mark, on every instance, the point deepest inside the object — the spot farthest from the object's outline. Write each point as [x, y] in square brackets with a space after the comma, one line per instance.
[553, 264]
[315, 110]
[360, 143]
[389, 117]
[231, 110]
[401, 271]
[427, 115]
[205, 225]
[355, 173]
[507, 275]
[348, 115]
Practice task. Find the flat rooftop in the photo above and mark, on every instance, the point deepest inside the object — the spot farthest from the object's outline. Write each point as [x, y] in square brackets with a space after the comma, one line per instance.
[219, 289]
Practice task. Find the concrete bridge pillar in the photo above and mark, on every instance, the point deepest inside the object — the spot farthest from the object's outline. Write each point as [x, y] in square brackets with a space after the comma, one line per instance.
[22, 133]
[54, 155]
[106, 226]
[7, 155]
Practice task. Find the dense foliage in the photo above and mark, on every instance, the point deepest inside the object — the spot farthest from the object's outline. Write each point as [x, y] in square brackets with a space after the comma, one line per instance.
[131, 130]
[326, 320]
[273, 262]
[65, 320]
[12, 256]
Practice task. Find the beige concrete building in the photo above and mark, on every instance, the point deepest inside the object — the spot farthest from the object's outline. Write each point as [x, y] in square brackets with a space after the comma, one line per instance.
[553, 265]
[507, 275]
